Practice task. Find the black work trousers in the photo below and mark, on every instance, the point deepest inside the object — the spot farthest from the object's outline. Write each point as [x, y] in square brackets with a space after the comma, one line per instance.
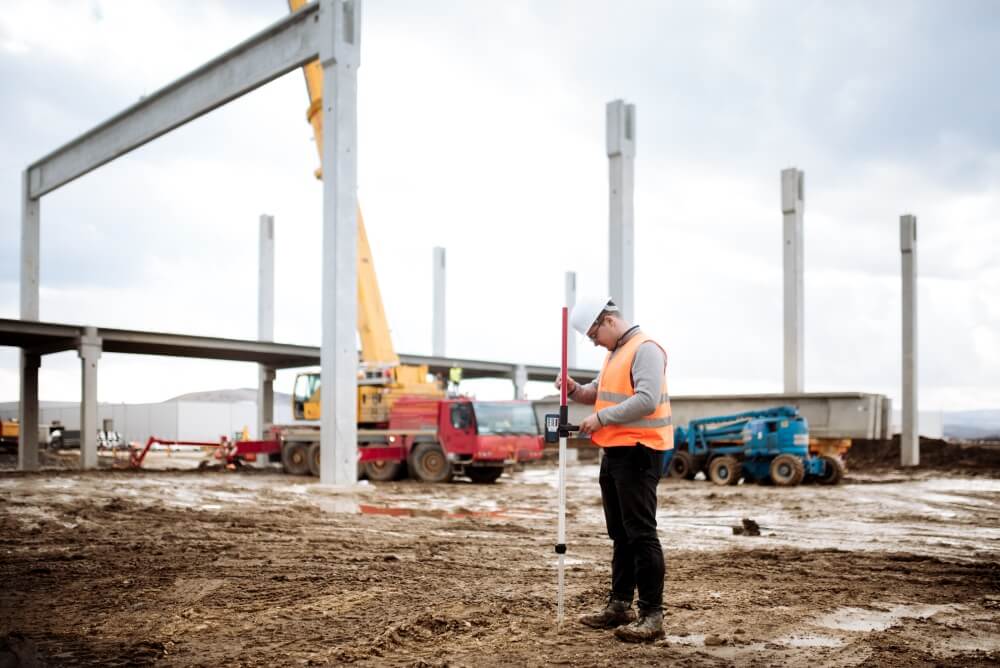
[629, 476]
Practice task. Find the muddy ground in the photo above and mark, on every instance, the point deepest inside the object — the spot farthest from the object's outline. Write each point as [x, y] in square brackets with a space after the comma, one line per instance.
[260, 569]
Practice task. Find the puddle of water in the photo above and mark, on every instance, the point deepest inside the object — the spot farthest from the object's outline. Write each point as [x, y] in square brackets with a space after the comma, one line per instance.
[459, 514]
[868, 619]
[809, 641]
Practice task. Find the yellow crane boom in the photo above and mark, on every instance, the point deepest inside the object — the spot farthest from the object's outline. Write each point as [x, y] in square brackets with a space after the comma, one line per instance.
[377, 352]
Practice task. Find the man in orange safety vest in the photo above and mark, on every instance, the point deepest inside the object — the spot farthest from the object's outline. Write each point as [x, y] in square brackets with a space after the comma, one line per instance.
[631, 422]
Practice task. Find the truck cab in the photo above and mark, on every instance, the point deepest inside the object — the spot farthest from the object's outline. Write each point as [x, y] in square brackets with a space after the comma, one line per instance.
[442, 438]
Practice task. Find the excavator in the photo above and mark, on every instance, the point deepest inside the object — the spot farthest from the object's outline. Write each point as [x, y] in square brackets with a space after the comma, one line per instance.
[381, 378]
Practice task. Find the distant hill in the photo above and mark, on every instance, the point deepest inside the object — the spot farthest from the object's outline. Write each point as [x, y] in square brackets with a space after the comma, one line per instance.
[229, 396]
[981, 424]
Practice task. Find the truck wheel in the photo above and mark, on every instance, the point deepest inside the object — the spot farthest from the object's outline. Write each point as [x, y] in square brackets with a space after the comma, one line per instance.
[682, 465]
[382, 470]
[314, 459]
[833, 471]
[724, 470]
[787, 470]
[295, 458]
[429, 463]
[484, 475]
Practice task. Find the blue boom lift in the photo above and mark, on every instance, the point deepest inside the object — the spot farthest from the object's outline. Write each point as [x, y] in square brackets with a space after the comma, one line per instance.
[767, 446]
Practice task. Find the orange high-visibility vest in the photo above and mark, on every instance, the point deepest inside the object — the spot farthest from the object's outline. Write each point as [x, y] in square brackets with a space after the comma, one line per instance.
[654, 430]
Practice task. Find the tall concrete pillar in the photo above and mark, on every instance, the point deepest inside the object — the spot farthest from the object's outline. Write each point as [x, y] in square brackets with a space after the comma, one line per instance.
[340, 56]
[265, 323]
[27, 459]
[909, 444]
[520, 382]
[621, 238]
[570, 303]
[90, 353]
[792, 208]
[439, 302]
[27, 450]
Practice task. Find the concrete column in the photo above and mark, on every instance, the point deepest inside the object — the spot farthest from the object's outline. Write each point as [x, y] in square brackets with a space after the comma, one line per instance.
[90, 353]
[27, 458]
[570, 303]
[520, 382]
[265, 399]
[340, 56]
[792, 208]
[30, 244]
[27, 441]
[439, 302]
[621, 238]
[909, 444]
[265, 323]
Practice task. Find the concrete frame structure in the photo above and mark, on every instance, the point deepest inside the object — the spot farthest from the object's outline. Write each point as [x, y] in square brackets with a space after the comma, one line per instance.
[265, 322]
[570, 303]
[909, 439]
[620, 136]
[792, 210]
[328, 30]
[440, 303]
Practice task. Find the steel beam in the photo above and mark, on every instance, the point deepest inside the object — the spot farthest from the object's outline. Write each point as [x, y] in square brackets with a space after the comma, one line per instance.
[340, 56]
[287, 44]
[909, 443]
[438, 335]
[792, 209]
[621, 225]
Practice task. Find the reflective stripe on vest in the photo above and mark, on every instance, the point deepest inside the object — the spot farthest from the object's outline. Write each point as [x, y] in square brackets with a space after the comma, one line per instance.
[615, 386]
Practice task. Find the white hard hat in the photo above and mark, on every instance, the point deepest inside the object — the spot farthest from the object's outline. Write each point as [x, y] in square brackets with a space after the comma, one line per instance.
[586, 311]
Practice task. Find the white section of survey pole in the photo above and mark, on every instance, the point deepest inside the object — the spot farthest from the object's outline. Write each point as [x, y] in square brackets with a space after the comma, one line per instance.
[340, 56]
[439, 302]
[570, 303]
[27, 440]
[90, 353]
[792, 209]
[265, 323]
[909, 443]
[621, 238]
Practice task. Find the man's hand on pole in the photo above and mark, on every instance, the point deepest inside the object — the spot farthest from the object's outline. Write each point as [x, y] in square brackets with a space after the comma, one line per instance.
[571, 384]
[590, 424]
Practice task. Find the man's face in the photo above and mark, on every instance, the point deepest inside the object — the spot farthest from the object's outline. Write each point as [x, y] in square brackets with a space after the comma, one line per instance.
[601, 334]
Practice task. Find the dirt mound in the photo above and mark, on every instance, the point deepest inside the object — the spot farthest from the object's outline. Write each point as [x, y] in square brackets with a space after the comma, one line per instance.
[934, 454]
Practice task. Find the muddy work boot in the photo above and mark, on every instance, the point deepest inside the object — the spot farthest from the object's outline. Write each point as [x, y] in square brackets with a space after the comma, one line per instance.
[647, 628]
[614, 614]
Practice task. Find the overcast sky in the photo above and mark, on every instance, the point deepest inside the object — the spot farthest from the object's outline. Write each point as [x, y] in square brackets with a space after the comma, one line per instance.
[482, 130]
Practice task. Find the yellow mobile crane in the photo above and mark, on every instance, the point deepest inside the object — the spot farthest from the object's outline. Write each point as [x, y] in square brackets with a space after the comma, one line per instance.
[382, 379]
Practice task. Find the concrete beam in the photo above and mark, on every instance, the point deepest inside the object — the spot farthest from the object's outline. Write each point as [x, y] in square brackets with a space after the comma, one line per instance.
[570, 303]
[792, 209]
[27, 440]
[265, 399]
[286, 45]
[621, 238]
[438, 335]
[340, 56]
[90, 353]
[909, 444]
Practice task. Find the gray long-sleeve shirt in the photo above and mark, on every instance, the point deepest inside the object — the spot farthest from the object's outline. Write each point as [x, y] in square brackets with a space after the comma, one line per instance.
[648, 367]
